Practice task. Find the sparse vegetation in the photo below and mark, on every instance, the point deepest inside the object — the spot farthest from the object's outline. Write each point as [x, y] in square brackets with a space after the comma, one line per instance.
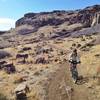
[83, 39]
[3, 97]
[97, 55]
[78, 45]
[74, 44]
[42, 61]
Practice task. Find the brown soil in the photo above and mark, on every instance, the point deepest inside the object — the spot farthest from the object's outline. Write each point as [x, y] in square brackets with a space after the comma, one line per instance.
[80, 92]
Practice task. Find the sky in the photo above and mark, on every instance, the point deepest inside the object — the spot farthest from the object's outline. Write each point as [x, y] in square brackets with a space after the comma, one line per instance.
[12, 10]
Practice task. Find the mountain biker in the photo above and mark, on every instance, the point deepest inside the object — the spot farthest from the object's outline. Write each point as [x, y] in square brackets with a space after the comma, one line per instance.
[74, 60]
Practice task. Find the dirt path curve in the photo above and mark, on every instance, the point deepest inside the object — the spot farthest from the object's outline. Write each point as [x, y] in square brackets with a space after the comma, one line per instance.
[80, 92]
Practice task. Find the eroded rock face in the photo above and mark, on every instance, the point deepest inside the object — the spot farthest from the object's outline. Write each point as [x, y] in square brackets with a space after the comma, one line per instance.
[55, 18]
[96, 19]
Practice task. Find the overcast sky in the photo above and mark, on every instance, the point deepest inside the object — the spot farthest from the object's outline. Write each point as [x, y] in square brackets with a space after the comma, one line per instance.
[11, 10]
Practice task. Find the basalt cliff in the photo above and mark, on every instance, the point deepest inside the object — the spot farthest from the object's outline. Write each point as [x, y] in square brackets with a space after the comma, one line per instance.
[70, 21]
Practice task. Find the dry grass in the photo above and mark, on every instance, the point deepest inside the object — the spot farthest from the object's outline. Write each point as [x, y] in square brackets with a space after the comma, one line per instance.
[90, 63]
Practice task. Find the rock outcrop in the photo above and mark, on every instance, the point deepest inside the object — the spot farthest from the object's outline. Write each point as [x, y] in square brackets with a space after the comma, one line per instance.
[33, 21]
[96, 19]
[2, 32]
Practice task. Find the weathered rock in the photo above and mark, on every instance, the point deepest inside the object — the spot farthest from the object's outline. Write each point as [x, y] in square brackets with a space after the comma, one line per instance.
[54, 18]
[4, 54]
[96, 19]
[21, 91]
[9, 68]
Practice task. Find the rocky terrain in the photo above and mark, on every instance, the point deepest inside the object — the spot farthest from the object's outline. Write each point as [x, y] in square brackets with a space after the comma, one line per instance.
[72, 20]
[34, 55]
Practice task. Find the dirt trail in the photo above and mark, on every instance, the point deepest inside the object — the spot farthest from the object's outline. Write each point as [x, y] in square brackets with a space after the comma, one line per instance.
[80, 92]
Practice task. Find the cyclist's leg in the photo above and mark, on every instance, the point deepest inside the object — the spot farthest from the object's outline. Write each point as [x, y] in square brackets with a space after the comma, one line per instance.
[74, 73]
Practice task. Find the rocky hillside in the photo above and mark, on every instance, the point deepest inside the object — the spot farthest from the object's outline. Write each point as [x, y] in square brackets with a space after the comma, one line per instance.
[84, 18]
[2, 32]
[35, 66]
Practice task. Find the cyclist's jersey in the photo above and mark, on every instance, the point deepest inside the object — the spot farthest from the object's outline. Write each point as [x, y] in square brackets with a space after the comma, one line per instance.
[74, 59]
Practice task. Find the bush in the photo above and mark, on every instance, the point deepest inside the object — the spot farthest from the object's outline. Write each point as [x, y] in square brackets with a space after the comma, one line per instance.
[74, 44]
[78, 45]
[3, 97]
[4, 54]
[90, 44]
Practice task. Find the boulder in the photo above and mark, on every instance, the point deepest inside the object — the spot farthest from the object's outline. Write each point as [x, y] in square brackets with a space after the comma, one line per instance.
[21, 91]
[9, 68]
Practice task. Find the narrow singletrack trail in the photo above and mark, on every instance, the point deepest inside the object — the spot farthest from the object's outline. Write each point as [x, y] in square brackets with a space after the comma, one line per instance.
[80, 92]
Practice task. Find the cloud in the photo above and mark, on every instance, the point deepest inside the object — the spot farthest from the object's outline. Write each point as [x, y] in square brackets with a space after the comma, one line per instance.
[6, 23]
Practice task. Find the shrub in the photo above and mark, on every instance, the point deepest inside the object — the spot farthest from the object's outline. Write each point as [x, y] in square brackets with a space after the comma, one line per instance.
[74, 44]
[3, 97]
[90, 44]
[78, 45]
[83, 39]
[17, 79]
